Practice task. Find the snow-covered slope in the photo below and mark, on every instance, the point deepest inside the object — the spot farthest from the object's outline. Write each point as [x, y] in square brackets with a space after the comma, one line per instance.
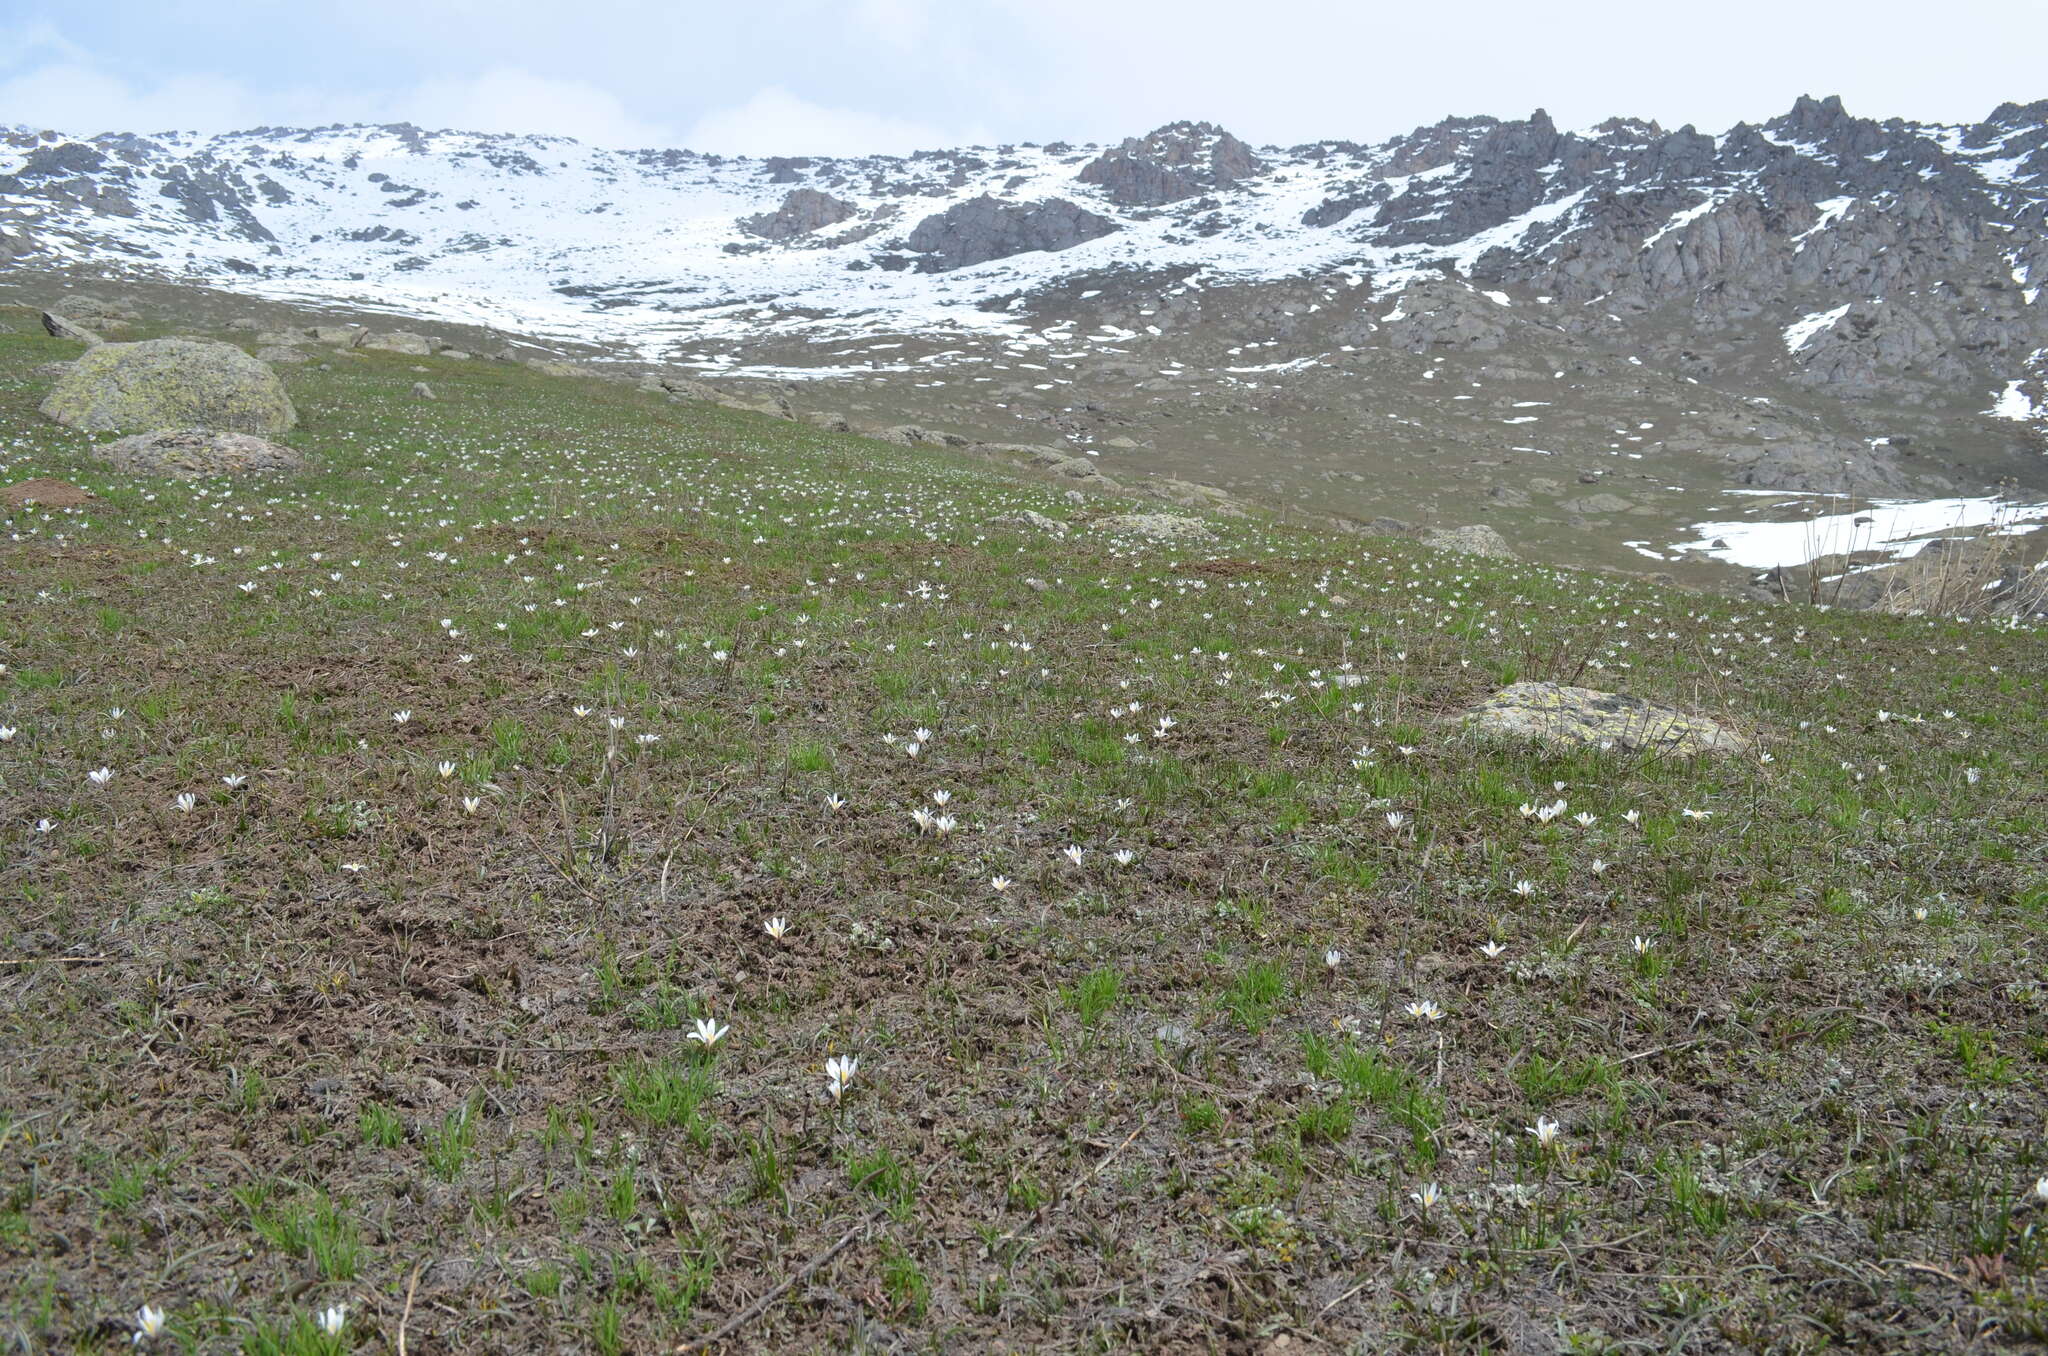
[664, 252]
[1820, 304]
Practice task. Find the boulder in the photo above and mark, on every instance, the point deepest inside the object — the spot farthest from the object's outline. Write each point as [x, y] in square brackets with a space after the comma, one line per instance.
[278, 353]
[422, 391]
[1156, 526]
[99, 315]
[188, 453]
[1581, 717]
[1476, 540]
[170, 383]
[399, 341]
[1031, 519]
[345, 335]
[59, 327]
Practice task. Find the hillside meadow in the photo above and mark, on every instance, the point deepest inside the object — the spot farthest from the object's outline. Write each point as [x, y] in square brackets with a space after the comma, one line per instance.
[575, 871]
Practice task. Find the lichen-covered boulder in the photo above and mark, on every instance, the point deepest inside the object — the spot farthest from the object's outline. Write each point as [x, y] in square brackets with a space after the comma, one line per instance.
[1476, 540]
[1156, 526]
[184, 454]
[1580, 717]
[170, 383]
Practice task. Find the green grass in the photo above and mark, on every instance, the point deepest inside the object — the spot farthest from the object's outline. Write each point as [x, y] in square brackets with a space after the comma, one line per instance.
[401, 1030]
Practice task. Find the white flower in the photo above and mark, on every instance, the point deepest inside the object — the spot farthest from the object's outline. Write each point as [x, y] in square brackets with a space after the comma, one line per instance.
[45, 825]
[1425, 1010]
[1691, 813]
[1597, 867]
[149, 1322]
[839, 1071]
[923, 818]
[1526, 888]
[445, 768]
[1546, 1131]
[940, 798]
[835, 801]
[185, 801]
[1632, 816]
[1428, 1196]
[1643, 945]
[1073, 853]
[1395, 819]
[580, 711]
[777, 927]
[334, 1319]
[1492, 950]
[616, 722]
[999, 883]
[708, 1032]
[921, 735]
[1585, 820]
[100, 776]
[1332, 958]
[1124, 856]
[234, 780]
[2041, 1189]
[7, 732]
[471, 804]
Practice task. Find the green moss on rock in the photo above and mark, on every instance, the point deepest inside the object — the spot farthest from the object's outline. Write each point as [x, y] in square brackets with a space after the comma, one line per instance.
[170, 383]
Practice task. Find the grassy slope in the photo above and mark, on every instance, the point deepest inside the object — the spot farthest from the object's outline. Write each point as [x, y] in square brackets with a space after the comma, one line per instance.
[1113, 1106]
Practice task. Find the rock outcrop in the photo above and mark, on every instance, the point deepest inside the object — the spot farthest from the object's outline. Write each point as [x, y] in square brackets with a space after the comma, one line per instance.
[985, 228]
[803, 211]
[1178, 161]
[170, 383]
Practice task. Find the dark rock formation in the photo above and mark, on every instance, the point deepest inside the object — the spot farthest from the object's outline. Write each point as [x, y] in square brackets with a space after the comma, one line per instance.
[985, 228]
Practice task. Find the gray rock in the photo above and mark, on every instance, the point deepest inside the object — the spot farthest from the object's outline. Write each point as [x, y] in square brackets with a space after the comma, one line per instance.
[803, 211]
[985, 228]
[1583, 717]
[422, 391]
[1032, 519]
[1476, 540]
[1177, 161]
[187, 453]
[170, 383]
[1166, 527]
[279, 353]
[59, 327]
[398, 341]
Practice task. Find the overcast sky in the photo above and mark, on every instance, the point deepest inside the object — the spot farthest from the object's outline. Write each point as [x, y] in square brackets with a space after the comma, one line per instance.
[850, 76]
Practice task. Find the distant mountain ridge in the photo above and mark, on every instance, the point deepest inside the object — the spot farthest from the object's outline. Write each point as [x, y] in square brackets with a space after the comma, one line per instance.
[1846, 288]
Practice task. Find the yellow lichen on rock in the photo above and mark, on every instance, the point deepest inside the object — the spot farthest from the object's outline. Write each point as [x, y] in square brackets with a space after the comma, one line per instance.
[1586, 717]
[170, 383]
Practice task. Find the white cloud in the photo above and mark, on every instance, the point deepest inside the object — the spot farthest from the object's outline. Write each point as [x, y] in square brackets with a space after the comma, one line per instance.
[776, 122]
[84, 102]
[900, 23]
[77, 98]
[512, 100]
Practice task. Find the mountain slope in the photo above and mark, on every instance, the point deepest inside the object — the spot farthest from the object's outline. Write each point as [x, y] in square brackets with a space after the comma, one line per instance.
[1823, 303]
